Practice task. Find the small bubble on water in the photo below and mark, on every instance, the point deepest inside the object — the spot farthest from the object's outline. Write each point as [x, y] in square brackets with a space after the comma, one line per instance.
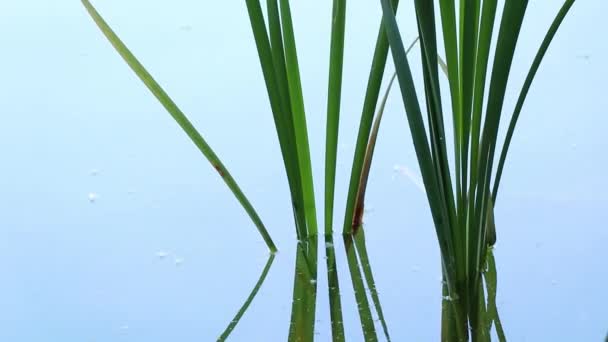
[94, 172]
[415, 269]
[93, 197]
[178, 261]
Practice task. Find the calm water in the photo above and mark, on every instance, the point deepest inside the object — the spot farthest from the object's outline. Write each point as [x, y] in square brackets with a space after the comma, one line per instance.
[113, 227]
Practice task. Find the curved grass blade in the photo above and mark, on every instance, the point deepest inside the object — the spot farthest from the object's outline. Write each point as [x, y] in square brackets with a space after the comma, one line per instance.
[334, 94]
[369, 153]
[180, 118]
[524, 92]
[369, 107]
[249, 299]
[299, 117]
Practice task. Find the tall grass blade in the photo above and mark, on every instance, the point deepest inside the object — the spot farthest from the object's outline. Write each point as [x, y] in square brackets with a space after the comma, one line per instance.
[299, 117]
[180, 118]
[334, 94]
[285, 123]
[526, 88]
[249, 299]
[510, 26]
[437, 204]
[369, 107]
[369, 152]
[276, 86]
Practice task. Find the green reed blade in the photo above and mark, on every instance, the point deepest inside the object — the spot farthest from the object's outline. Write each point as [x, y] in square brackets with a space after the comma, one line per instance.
[510, 27]
[426, 27]
[421, 146]
[524, 92]
[485, 39]
[334, 94]
[448, 24]
[369, 152]
[288, 130]
[369, 107]
[249, 299]
[299, 117]
[180, 118]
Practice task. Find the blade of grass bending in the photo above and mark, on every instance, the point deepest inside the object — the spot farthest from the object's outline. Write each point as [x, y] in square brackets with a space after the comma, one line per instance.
[289, 150]
[360, 244]
[367, 116]
[524, 92]
[299, 117]
[333, 284]
[334, 93]
[248, 301]
[180, 118]
[421, 145]
[369, 152]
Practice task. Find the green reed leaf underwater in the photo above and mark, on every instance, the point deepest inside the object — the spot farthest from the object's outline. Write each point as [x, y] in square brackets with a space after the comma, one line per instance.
[180, 118]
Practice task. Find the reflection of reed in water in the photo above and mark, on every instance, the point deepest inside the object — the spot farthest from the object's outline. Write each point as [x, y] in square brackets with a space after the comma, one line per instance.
[248, 301]
[487, 310]
[302, 326]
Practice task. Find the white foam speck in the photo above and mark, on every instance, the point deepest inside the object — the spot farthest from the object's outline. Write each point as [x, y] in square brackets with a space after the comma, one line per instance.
[162, 254]
[93, 197]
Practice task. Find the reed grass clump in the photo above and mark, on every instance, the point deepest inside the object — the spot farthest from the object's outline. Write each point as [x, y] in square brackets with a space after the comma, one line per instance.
[462, 207]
